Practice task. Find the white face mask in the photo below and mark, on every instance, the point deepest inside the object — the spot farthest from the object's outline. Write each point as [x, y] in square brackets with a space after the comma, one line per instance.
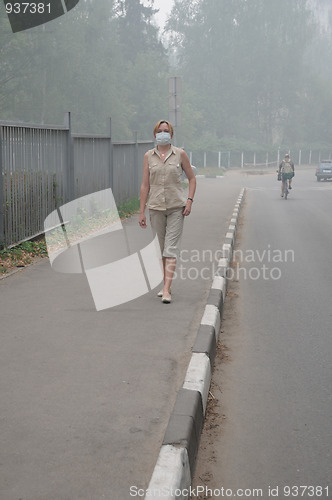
[163, 138]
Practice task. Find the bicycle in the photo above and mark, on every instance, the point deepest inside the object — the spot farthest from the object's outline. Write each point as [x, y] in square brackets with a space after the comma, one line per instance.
[285, 190]
[284, 184]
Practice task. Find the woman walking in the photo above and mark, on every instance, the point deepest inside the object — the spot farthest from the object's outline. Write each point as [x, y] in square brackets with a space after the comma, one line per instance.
[168, 203]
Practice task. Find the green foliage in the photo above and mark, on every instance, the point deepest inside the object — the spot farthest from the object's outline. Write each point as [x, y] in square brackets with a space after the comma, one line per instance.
[254, 72]
[82, 225]
[97, 61]
[245, 63]
[21, 255]
[128, 208]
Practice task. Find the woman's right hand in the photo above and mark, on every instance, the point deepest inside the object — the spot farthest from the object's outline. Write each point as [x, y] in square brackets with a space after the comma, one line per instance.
[142, 220]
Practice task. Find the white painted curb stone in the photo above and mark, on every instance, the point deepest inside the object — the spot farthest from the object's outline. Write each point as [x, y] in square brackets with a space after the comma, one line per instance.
[198, 377]
[171, 474]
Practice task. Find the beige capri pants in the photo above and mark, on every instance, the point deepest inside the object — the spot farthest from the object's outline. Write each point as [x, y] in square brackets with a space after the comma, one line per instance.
[168, 225]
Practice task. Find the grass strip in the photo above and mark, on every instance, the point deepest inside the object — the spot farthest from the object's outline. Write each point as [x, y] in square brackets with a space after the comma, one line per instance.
[26, 253]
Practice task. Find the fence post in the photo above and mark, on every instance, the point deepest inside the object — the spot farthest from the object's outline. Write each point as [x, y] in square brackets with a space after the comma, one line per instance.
[2, 197]
[110, 156]
[242, 159]
[204, 159]
[70, 175]
[300, 155]
[219, 158]
[136, 164]
[310, 157]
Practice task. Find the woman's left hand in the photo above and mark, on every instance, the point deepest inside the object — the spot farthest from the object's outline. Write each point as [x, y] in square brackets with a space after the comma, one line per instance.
[187, 208]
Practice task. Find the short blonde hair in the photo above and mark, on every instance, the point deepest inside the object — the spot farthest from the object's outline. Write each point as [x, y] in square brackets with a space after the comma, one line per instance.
[157, 125]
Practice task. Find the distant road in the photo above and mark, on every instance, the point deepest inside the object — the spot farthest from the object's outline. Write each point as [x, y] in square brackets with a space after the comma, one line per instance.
[270, 423]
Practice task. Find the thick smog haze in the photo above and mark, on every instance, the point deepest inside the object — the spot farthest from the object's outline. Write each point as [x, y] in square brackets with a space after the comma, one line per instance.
[254, 74]
[165, 7]
[165, 287]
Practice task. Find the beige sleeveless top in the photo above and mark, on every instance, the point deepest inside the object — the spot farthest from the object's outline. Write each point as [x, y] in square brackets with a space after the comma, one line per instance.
[166, 189]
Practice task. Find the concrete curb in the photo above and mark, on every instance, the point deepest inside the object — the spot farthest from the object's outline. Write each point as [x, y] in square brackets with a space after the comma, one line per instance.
[209, 176]
[172, 475]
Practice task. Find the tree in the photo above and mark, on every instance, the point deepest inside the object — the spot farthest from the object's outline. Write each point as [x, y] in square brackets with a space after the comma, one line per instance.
[86, 63]
[145, 64]
[245, 62]
[15, 52]
[137, 33]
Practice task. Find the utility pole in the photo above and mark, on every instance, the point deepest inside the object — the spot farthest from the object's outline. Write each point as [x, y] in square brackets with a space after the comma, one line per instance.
[174, 103]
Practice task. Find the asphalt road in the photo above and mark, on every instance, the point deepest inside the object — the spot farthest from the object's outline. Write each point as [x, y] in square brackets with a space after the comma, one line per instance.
[269, 423]
[86, 396]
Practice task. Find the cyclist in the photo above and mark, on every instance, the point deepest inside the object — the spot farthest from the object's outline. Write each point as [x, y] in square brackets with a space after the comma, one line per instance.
[286, 169]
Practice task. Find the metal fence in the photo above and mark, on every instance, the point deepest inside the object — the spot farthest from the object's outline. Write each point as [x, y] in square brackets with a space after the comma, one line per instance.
[228, 159]
[43, 167]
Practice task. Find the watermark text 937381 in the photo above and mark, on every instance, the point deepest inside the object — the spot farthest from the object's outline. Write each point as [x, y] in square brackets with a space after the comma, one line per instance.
[28, 8]
[24, 15]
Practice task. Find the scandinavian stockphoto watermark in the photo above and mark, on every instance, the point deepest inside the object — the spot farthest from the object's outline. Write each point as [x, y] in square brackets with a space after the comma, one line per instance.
[250, 264]
[120, 261]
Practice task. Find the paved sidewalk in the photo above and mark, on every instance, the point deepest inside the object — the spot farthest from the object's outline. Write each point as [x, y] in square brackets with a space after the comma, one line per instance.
[86, 396]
